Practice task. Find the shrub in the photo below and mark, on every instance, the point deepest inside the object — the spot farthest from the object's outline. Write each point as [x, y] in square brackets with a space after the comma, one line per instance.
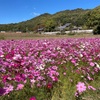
[71, 33]
[62, 33]
[96, 30]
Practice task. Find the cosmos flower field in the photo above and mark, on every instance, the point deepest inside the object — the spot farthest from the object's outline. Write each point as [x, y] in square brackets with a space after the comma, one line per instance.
[50, 69]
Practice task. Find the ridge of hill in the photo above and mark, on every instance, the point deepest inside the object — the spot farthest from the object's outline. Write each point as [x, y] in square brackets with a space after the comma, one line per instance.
[78, 17]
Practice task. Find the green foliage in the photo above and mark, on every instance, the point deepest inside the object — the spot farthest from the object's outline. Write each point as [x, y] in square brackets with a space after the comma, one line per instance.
[71, 33]
[96, 30]
[61, 33]
[93, 17]
[50, 25]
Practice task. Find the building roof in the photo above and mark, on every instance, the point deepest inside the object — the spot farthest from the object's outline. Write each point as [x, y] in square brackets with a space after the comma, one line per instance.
[40, 29]
[64, 26]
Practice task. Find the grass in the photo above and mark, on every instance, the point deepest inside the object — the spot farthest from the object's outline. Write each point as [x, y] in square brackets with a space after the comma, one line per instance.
[10, 36]
[62, 90]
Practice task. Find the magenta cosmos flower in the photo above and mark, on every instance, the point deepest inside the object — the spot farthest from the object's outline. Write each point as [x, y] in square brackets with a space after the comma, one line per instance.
[81, 87]
[49, 85]
[2, 91]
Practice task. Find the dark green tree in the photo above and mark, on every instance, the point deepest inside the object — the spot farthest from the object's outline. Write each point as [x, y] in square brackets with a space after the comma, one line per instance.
[96, 30]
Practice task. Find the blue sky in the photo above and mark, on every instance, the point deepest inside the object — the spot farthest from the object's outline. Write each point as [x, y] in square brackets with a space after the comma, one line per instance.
[13, 11]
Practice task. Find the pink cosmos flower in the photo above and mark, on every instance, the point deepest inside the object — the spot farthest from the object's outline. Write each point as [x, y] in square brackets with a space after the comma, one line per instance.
[91, 87]
[92, 64]
[55, 79]
[76, 94]
[20, 87]
[81, 87]
[73, 61]
[89, 78]
[32, 98]
[64, 73]
[54, 67]
[77, 71]
[32, 81]
[1, 53]
[18, 78]
[8, 89]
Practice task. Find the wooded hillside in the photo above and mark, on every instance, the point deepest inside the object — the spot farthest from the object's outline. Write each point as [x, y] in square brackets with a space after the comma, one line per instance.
[79, 17]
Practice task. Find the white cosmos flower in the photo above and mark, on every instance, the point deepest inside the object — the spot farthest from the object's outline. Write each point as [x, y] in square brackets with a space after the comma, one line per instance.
[17, 56]
[97, 65]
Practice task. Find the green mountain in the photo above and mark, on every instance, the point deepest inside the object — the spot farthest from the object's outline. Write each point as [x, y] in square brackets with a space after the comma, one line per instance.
[93, 17]
[78, 17]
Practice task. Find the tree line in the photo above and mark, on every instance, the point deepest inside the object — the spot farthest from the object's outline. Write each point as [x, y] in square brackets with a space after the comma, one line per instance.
[88, 18]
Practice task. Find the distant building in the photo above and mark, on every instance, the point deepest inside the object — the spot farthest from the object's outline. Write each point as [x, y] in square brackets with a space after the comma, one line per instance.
[77, 28]
[64, 26]
[18, 32]
[2, 31]
[40, 30]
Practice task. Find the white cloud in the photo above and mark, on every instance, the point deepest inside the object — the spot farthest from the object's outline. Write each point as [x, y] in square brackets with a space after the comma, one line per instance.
[35, 14]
